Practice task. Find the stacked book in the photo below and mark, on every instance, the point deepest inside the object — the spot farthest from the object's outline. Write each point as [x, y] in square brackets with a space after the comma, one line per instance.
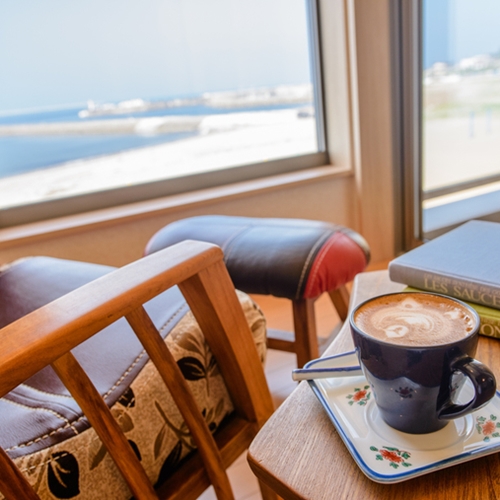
[463, 263]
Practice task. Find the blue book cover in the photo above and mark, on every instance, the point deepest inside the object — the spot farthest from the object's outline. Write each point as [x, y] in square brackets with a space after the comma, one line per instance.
[463, 263]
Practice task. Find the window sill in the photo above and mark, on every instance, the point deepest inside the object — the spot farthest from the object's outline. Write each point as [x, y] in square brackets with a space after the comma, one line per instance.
[442, 214]
[72, 224]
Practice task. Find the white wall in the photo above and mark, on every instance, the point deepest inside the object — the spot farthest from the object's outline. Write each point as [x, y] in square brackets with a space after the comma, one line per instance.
[121, 241]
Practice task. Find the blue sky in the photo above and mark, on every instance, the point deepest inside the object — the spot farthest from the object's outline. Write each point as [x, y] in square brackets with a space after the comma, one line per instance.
[456, 29]
[55, 52]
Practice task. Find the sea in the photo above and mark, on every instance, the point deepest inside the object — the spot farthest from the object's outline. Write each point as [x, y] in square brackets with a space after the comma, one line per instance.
[22, 154]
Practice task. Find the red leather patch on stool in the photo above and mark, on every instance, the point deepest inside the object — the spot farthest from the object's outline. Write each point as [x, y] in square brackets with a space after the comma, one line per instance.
[338, 261]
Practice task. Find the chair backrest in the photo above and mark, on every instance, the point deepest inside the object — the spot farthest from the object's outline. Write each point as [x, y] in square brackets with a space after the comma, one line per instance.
[47, 335]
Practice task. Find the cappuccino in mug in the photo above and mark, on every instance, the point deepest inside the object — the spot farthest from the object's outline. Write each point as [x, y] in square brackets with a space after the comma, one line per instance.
[411, 346]
[415, 319]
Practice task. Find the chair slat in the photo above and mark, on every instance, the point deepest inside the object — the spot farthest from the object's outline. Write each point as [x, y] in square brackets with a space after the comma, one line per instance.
[86, 395]
[213, 302]
[13, 484]
[183, 398]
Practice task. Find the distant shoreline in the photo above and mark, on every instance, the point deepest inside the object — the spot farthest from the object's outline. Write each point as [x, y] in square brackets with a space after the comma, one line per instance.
[154, 125]
[233, 99]
[219, 145]
[165, 125]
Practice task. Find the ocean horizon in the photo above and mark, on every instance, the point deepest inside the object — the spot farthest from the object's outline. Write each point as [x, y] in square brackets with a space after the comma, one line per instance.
[24, 153]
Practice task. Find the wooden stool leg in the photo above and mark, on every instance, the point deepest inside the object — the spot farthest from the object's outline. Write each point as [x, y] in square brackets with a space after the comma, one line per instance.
[306, 340]
[267, 493]
[340, 299]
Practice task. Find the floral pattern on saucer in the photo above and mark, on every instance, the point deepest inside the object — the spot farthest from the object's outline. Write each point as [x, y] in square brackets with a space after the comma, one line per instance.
[488, 427]
[389, 456]
[359, 396]
[394, 456]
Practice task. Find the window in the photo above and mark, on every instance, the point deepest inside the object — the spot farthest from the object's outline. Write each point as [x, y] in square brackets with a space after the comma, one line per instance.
[104, 103]
[450, 111]
[461, 110]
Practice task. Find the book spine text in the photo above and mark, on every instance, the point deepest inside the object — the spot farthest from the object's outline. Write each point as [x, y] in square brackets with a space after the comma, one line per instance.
[468, 291]
[490, 327]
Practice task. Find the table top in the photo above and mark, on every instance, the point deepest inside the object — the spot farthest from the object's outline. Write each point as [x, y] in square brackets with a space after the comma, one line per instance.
[299, 454]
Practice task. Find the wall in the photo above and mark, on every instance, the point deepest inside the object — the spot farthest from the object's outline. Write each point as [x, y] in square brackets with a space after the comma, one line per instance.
[374, 160]
[117, 242]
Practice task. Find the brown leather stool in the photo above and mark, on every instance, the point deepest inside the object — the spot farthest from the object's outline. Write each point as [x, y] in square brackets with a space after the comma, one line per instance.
[292, 258]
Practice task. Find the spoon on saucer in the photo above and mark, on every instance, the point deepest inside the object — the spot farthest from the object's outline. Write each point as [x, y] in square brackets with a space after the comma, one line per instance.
[317, 373]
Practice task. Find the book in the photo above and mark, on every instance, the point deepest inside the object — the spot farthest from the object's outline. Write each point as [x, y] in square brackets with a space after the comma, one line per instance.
[489, 317]
[463, 263]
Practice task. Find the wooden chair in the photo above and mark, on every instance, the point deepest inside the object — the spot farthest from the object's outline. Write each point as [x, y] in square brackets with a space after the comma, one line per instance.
[47, 335]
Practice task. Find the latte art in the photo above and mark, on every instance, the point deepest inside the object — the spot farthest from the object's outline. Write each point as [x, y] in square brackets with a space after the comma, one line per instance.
[415, 319]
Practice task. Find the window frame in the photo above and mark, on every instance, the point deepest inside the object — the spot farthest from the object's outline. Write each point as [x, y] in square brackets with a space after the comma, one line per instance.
[415, 219]
[104, 199]
[406, 29]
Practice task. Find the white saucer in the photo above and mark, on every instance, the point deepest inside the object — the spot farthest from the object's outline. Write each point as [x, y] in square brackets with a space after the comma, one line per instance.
[386, 455]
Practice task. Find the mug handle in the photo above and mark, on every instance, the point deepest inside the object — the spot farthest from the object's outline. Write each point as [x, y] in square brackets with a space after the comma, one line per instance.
[484, 384]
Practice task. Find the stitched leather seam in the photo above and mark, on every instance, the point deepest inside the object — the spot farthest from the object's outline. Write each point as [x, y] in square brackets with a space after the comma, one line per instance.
[34, 389]
[68, 425]
[40, 438]
[45, 436]
[130, 368]
[124, 375]
[44, 463]
[67, 396]
[319, 241]
[54, 412]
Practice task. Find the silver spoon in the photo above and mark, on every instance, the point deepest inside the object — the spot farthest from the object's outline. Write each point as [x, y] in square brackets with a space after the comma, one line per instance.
[317, 373]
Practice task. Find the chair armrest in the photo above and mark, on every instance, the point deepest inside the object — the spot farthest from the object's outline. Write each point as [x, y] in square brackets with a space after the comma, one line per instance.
[73, 318]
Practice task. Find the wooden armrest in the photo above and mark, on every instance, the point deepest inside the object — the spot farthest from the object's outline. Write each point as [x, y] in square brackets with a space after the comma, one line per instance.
[73, 318]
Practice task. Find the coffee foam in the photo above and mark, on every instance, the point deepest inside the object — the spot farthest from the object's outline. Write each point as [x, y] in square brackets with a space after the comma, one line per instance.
[415, 319]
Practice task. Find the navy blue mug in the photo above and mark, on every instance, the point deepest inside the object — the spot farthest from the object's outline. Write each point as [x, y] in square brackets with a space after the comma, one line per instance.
[415, 386]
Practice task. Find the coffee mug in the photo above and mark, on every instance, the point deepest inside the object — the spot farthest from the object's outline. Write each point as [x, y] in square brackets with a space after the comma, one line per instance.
[417, 350]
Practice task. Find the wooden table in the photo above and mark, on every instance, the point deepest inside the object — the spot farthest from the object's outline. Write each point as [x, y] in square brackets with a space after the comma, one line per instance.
[299, 454]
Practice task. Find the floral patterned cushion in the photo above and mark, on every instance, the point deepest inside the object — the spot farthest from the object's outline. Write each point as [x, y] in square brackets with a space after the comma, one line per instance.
[80, 466]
